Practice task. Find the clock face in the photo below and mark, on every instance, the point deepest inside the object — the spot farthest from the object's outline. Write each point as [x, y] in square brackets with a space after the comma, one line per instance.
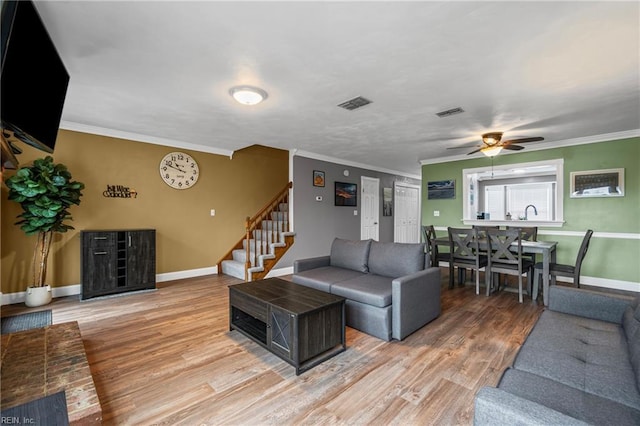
[179, 170]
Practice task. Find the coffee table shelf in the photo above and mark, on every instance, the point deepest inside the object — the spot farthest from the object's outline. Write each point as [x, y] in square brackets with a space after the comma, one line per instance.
[301, 325]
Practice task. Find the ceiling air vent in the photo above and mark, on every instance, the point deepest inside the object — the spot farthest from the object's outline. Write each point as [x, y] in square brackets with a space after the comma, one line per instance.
[355, 103]
[449, 112]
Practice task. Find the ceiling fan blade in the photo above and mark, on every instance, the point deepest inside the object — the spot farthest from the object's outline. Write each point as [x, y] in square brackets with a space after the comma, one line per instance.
[477, 150]
[523, 140]
[513, 147]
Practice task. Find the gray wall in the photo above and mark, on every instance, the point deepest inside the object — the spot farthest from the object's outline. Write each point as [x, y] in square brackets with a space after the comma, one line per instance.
[317, 223]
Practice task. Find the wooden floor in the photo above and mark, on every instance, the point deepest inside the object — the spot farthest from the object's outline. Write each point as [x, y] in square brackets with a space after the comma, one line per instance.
[167, 357]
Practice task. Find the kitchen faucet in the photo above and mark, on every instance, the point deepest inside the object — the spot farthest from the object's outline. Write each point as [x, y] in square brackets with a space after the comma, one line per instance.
[526, 214]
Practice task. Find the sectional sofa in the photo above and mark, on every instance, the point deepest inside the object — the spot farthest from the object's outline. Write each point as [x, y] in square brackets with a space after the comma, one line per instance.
[390, 289]
[579, 365]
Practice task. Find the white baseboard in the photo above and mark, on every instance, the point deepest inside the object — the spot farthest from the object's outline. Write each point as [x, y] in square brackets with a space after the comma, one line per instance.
[280, 272]
[191, 273]
[606, 283]
[75, 289]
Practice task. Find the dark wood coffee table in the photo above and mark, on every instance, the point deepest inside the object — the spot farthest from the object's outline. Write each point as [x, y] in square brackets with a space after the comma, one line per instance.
[301, 325]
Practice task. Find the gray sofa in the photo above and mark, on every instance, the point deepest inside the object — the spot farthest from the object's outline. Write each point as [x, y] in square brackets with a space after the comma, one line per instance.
[390, 294]
[579, 365]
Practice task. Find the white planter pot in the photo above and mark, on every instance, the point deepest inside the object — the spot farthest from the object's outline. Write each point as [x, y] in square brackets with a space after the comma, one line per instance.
[38, 296]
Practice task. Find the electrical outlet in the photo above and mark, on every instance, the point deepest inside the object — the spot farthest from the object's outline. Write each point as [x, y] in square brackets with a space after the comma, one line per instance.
[436, 213]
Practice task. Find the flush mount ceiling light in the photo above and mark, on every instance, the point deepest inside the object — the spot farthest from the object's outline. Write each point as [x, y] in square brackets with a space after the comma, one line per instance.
[248, 95]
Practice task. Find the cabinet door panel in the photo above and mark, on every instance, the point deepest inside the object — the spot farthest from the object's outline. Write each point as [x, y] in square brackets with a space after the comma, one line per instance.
[141, 259]
[99, 271]
[281, 332]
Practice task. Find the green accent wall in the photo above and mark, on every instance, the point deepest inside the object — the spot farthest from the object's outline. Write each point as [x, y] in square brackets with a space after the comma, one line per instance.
[607, 258]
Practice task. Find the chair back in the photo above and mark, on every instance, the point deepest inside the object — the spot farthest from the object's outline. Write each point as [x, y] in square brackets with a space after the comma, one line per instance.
[527, 233]
[581, 254]
[500, 246]
[463, 243]
[482, 230]
[428, 234]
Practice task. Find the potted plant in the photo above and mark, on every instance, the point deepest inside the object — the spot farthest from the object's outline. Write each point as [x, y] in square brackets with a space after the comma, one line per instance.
[45, 192]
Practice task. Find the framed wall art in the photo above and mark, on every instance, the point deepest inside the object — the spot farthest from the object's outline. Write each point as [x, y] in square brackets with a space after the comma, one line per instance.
[346, 194]
[441, 190]
[387, 201]
[597, 183]
[318, 178]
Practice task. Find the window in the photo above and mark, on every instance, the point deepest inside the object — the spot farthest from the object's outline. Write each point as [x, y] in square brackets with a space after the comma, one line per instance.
[534, 200]
[495, 192]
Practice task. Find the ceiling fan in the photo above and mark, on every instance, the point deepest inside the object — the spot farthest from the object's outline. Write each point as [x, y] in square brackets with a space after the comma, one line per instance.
[492, 144]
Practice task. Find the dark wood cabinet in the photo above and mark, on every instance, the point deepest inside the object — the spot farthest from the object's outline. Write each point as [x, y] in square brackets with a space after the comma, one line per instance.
[117, 261]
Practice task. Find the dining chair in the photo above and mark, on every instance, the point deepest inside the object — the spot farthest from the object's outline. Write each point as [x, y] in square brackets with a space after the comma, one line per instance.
[505, 257]
[562, 270]
[465, 253]
[482, 235]
[527, 233]
[429, 236]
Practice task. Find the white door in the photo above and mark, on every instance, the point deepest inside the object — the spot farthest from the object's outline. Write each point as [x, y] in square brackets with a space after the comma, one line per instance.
[406, 202]
[370, 215]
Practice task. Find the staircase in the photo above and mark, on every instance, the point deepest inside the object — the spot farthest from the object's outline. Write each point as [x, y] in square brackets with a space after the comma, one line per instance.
[266, 240]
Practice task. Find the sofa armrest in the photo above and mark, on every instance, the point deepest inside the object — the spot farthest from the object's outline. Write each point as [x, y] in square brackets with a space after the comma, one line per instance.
[588, 304]
[497, 407]
[310, 263]
[415, 301]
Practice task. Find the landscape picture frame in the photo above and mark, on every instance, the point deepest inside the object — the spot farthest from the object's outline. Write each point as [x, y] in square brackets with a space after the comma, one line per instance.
[346, 194]
[441, 189]
[597, 183]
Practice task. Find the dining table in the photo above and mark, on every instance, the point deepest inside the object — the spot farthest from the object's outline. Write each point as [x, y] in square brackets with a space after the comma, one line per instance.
[546, 248]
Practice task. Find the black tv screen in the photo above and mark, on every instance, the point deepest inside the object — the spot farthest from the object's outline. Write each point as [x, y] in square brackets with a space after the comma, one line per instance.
[34, 79]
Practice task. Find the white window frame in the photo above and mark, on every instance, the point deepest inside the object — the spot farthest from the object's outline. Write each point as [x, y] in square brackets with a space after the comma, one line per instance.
[468, 175]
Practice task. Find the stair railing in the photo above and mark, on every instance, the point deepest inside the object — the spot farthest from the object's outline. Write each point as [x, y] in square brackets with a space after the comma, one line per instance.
[264, 228]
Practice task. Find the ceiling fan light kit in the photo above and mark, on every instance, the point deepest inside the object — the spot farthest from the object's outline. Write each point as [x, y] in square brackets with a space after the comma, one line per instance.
[492, 138]
[492, 144]
[491, 151]
[248, 95]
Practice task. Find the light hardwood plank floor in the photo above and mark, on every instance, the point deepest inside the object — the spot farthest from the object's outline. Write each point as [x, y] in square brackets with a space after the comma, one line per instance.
[167, 358]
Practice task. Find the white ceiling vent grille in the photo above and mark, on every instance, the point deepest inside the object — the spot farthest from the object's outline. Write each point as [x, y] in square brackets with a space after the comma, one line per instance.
[452, 111]
[354, 103]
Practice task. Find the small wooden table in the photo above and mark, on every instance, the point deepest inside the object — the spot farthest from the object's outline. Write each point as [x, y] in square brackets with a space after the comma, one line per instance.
[301, 325]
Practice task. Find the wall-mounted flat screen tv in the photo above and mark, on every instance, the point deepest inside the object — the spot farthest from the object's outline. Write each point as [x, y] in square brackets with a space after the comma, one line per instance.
[34, 79]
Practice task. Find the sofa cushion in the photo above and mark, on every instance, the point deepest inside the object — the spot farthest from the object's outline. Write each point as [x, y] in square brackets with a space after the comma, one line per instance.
[322, 278]
[369, 289]
[568, 400]
[395, 259]
[350, 254]
[586, 354]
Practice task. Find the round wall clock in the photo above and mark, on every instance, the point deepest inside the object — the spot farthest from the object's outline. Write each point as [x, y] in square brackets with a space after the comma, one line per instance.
[179, 170]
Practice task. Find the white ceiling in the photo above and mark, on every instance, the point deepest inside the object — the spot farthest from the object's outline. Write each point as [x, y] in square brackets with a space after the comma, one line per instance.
[161, 72]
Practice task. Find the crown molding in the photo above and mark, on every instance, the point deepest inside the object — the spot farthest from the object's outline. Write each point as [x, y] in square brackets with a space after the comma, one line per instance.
[548, 145]
[314, 156]
[101, 131]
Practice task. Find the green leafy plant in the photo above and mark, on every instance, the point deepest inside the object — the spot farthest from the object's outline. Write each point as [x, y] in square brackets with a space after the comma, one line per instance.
[45, 192]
